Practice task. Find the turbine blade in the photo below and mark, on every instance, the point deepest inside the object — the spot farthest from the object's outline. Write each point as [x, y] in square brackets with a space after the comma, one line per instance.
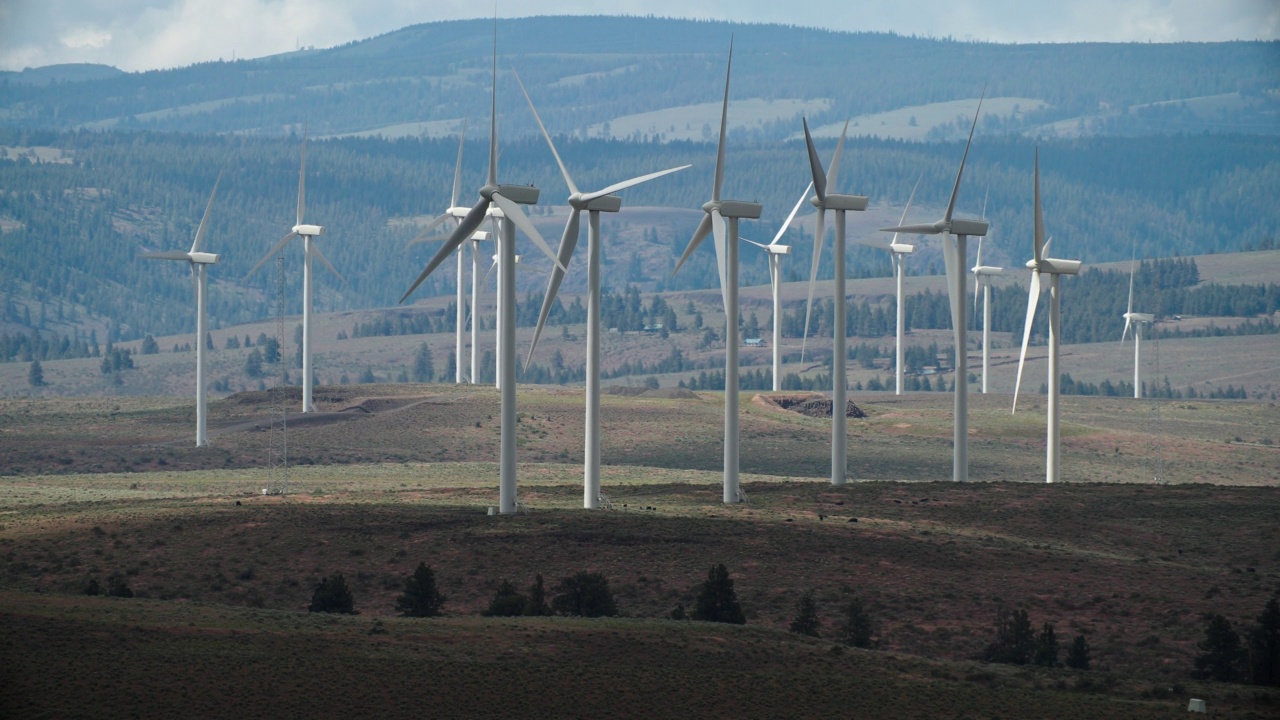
[835, 159]
[718, 233]
[704, 228]
[573, 189]
[271, 253]
[493, 109]
[1033, 297]
[302, 178]
[792, 216]
[955, 191]
[762, 246]
[316, 249]
[567, 243]
[618, 187]
[1131, 274]
[422, 235]
[474, 217]
[1038, 241]
[513, 213]
[204, 220]
[977, 287]
[457, 168]
[815, 164]
[813, 278]
[978, 261]
[951, 258]
[724, 120]
[166, 255]
[1124, 335]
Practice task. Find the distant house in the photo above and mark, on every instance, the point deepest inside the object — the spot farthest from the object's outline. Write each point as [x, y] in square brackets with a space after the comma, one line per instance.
[754, 342]
[656, 327]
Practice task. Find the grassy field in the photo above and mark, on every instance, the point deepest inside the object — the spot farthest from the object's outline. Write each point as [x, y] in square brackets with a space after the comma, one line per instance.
[401, 474]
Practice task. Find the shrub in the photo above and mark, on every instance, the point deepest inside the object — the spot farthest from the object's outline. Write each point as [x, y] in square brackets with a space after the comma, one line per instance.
[93, 588]
[806, 619]
[116, 587]
[1220, 652]
[856, 631]
[1078, 654]
[332, 596]
[717, 602]
[586, 594]
[420, 598]
[506, 602]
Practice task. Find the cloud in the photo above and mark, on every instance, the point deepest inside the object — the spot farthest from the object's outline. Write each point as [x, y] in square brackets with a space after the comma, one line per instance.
[147, 34]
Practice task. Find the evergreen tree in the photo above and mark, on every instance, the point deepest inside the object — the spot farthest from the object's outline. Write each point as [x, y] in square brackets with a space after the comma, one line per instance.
[1264, 646]
[422, 368]
[1047, 647]
[856, 631]
[1015, 641]
[586, 594]
[252, 363]
[149, 345]
[35, 374]
[116, 587]
[421, 598]
[806, 620]
[1220, 652]
[537, 603]
[1078, 654]
[717, 602]
[332, 596]
[506, 602]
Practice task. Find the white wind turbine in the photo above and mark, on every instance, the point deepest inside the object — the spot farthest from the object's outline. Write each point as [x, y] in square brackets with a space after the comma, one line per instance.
[594, 203]
[308, 233]
[199, 262]
[718, 211]
[982, 276]
[1136, 320]
[954, 255]
[508, 199]
[840, 204]
[776, 251]
[1041, 264]
[900, 252]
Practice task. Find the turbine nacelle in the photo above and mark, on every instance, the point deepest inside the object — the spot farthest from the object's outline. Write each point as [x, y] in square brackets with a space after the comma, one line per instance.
[972, 228]
[856, 203]
[901, 248]
[603, 203]
[308, 230]
[1139, 317]
[1055, 266]
[518, 194]
[987, 270]
[734, 208]
[203, 258]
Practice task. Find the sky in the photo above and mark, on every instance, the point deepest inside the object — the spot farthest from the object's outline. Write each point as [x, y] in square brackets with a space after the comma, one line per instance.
[151, 34]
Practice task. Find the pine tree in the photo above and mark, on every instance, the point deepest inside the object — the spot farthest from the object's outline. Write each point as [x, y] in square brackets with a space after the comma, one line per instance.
[1015, 641]
[717, 602]
[856, 631]
[423, 371]
[421, 598]
[1047, 647]
[585, 594]
[1078, 654]
[806, 620]
[1220, 651]
[1264, 646]
[35, 374]
[506, 602]
[332, 596]
[537, 603]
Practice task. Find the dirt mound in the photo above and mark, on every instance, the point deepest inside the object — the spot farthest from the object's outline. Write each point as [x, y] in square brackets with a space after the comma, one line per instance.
[811, 405]
[667, 393]
[625, 390]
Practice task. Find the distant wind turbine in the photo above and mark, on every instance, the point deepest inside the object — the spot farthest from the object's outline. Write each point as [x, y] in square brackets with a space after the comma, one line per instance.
[198, 262]
[954, 255]
[594, 203]
[982, 276]
[900, 251]
[508, 199]
[1136, 320]
[720, 213]
[775, 251]
[824, 201]
[308, 233]
[1042, 264]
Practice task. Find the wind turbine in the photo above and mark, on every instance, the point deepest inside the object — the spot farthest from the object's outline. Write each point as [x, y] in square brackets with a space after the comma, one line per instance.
[594, 203]
[982, 275]
[455, 213]
[718, 211]
[954, 255]
[308, 233]
[1042, 264]
[776, 251]
[508, 199]
[198, 261]
[900, 252]
[841, 204]
[1136, 320]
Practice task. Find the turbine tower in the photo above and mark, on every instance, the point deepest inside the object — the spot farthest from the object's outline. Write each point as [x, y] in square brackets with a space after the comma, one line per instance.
[507, 198]
[1042, 264]
[900, 252]
[455, 213]
[308, 233]
[841, 204]
[954, 255]
[982, 276]
[594, 203]
[776, 251]
[198, 262]
[719, 214]
[1136, 320]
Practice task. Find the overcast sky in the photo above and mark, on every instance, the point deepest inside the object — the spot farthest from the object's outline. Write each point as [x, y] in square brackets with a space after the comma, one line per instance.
[149, 34]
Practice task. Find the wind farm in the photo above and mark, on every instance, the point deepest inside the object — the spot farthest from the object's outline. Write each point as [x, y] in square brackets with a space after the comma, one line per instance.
[596, 439]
